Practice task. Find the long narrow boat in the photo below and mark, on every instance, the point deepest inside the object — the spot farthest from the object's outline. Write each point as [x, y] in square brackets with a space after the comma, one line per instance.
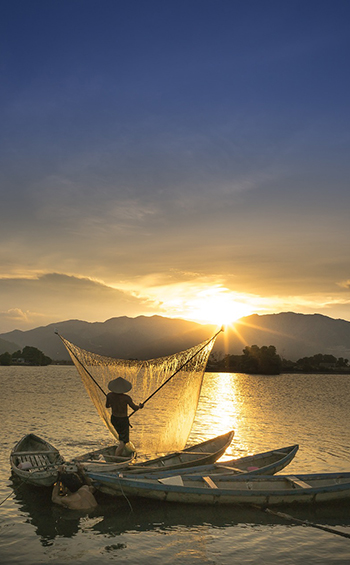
[262, 491]
[266, 463]
[203, 453]
[35, 461]
[105, 454]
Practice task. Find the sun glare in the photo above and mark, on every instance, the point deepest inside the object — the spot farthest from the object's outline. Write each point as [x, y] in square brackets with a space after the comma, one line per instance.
[216, 306]
[204, 303]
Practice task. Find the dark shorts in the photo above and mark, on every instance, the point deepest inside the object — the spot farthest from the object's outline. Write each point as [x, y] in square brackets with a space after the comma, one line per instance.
[122, 427]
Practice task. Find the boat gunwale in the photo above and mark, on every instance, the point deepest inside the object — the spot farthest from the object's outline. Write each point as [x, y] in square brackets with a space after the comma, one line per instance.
[200, 469]
[38, 476]
[144, 488]
[153, 465]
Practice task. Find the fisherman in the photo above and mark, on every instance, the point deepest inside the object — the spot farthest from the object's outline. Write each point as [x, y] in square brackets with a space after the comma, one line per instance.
[119, 402]
[74, 490]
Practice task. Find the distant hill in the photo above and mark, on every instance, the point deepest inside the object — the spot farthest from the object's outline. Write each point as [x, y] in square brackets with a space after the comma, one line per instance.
[123, 338]
[293, 335]
[8, 346]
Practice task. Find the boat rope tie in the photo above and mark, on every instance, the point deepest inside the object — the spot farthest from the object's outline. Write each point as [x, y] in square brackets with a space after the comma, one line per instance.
[304, 522]
[12, 493]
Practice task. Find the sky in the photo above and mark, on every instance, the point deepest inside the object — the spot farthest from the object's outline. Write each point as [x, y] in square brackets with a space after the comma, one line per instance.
[182, 158]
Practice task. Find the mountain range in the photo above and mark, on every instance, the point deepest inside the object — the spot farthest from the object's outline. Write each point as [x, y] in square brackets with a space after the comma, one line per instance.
[293, 335]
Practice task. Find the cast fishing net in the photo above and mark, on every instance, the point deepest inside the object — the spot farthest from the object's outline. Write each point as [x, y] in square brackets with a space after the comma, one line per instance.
[165, 421]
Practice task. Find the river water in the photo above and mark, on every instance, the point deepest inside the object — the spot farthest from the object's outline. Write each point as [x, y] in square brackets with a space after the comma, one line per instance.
[266, 412]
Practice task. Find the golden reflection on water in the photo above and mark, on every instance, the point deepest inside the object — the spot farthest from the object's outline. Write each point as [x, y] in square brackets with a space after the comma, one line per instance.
[225, 406]
[219, 410]
[271, 412]
[245, 404]
[265, 412]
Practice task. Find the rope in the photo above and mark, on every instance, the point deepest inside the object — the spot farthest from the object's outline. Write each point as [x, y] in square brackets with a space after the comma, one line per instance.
[123, 493]
[304, 522]
[84, 368]
[12, 493]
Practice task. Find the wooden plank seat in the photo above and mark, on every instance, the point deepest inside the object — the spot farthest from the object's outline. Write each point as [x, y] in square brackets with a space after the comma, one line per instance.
[297, 482]
[181, 453]
[223, 466]
[174, 480]
[34, 452]
[195, 453]
[42, 460]
[210, 482]
[36, 460]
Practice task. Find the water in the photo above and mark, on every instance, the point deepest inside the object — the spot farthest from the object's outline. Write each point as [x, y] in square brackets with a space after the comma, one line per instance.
[265, 412]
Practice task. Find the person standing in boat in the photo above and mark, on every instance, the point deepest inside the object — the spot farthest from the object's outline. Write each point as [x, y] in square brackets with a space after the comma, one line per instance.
[119, 401]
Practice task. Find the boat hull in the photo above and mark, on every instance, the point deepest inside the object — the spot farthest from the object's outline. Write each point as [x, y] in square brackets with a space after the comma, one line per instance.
[202, 453]
[266, 463]
[263, 491]
[35, 461]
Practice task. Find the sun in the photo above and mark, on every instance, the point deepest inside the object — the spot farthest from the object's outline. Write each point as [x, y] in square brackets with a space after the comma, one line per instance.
[204, 303]
[217, 306]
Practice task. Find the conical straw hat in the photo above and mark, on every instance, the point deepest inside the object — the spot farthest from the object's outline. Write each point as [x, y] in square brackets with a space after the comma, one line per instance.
[119, 385]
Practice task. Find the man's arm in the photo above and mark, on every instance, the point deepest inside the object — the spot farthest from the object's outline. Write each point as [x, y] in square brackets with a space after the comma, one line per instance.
[135, 406]
[90, 488]
[81, 472]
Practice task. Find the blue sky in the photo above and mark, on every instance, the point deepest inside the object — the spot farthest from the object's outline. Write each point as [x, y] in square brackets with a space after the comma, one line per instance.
[173, 158]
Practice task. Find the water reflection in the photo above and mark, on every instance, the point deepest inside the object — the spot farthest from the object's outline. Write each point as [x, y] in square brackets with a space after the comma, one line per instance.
[268, 412]
[117, 516]
[218, 410]
[265, 412]
[48, 520]
[228, 402]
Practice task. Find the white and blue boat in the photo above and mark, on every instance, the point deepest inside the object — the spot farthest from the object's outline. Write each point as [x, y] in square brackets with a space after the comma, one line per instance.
[262, 491]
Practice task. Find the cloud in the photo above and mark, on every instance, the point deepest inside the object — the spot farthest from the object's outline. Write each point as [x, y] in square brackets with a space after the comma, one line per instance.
[29, 302]
[24, 320]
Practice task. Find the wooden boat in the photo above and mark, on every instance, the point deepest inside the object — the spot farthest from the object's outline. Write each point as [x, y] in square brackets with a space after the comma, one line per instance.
[105, 454]
[262, 491]
[202, 453]
[266, 463]
[35, 461]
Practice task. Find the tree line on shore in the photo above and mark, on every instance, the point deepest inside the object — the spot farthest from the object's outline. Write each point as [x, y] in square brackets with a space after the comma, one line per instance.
[265, 361]
[28, 356]
[254, 361]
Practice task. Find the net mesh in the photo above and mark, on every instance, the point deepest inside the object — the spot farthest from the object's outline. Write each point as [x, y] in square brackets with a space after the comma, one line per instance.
[173, 407]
